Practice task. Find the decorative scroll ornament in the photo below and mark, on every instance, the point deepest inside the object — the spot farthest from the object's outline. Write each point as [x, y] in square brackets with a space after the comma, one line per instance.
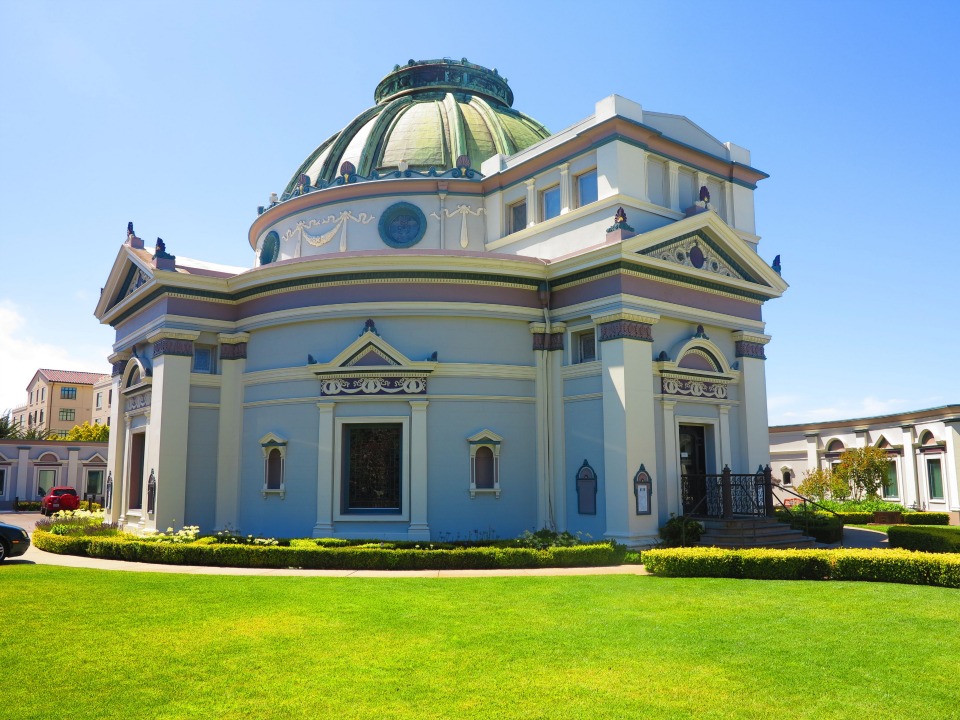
[693, 387]
[373, 386]
[340, 223]
[463, 211]
[138, 402]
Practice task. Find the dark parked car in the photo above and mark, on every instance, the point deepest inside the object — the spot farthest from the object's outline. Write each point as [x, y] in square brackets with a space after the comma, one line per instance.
[59, 498]
[13, 541]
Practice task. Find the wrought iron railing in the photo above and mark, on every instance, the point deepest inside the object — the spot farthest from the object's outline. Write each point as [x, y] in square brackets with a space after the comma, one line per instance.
[727, 494]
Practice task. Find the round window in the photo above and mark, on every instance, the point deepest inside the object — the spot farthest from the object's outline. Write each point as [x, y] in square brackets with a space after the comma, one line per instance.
[402, 225]
[270, 248]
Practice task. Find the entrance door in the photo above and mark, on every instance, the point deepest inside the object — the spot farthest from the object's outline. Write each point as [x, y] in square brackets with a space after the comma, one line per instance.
[693, 468]
[135, 479]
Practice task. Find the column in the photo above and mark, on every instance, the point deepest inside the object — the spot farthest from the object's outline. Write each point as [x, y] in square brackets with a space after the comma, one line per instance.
[233, 363]
[73, 470]
[951, 470]
[728, 204]
[566, 189]
[813, 445]
[755, 434]
[419, 529]
[629, 439]
[673, 170]
[325, 441]
[168, 431]
[541, 391]
[911, 489]
[117, 440]
[532, 210]
[24, 490]
[726, 454]
[556, 436]
[671, 458]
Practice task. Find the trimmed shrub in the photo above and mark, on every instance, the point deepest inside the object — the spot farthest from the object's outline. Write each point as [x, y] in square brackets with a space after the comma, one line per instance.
[895, 566]
[928, 539]
[29, 506]
[680, 530]
[822, 526]
[926, 518]
[308, 554]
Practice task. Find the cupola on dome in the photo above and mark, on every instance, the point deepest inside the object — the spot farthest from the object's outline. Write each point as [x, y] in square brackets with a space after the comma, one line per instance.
[429, 114]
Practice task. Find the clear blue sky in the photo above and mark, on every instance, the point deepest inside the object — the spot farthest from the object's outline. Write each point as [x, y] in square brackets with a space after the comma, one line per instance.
[184, 116]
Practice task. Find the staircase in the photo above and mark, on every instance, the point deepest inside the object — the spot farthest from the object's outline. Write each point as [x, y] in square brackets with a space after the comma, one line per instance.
[752, 532]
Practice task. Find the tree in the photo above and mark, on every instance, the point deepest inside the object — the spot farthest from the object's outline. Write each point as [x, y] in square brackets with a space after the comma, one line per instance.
[9, 428]
[863, 469]
[88, 433]
[816, 484]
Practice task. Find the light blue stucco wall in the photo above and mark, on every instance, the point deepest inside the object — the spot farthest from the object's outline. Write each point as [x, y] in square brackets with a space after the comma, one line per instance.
[584, 441]
[201, 497]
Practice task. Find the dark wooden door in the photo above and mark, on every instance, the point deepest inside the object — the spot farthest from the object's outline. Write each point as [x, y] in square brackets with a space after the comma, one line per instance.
[693, 468]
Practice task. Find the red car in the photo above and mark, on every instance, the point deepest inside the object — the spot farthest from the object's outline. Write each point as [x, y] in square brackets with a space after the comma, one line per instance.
[59, 498]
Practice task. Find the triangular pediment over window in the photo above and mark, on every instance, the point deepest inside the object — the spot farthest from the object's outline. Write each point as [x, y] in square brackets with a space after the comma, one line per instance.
[372, 366]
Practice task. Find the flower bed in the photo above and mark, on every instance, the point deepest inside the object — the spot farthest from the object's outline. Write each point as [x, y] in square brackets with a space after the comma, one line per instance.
[895, 566]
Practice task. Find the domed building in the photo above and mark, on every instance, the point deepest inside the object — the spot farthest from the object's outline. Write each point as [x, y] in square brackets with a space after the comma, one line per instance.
[457, 325]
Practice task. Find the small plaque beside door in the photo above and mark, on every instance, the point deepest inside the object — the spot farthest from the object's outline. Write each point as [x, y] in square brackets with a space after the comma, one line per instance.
[643, 490]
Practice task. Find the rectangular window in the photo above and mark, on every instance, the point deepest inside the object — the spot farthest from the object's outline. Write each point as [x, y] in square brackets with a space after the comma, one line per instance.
[585, 347]
[46, 479]
[110, 397]
[43, 394]
[94, 482]
[587, 188]
[99, 401]
[68, 414]
[550, 203]
[372, 468]
[517, 216]
[890, 489]
[3, 480]
[935, 479]
[68, 393]
[203, 360]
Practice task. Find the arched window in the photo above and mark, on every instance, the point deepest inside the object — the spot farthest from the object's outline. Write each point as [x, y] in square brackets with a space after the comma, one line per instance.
[274, 470]
[485, 463]
[835, 446]
[787, 477]
[274, 459]
[699, 359]
[483, 468]
[136, 377]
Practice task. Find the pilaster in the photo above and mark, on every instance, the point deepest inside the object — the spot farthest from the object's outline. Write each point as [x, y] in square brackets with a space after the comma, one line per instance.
[117, 441]
[25, 488]
[755, 435]
[325, 445]
[911, 488]
[533, 214]
[671, 457]
[629, 439]
[951, 459]
[566, 189]
[726, 451]
[233, 362]
[73, 470]
[419, 529]
[813, 445]
[166, 445]
[673, 170]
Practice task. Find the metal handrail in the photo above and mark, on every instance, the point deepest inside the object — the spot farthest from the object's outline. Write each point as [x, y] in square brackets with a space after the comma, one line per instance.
[805, 520]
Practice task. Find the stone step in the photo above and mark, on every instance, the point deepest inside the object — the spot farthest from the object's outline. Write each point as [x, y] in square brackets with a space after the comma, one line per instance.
[760, 531]
[752, 533]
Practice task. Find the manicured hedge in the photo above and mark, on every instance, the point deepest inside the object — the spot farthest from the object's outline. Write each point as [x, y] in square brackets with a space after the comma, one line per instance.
[895, 566]
[929, 539]
[303, 555]
[926, 518]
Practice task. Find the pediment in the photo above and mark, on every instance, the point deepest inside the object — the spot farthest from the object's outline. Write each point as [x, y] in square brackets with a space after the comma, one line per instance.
[704, 246]
[129, 274]
[372, 366]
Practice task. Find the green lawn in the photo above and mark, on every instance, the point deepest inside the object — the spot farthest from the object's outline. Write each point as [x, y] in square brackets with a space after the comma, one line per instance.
[94, 644]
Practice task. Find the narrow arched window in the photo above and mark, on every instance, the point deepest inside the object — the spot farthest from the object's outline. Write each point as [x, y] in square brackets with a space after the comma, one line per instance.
[274, 470]
[483, 468]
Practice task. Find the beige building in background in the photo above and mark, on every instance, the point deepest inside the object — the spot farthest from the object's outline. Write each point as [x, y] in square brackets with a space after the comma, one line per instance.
[58, 400]
[102, 401]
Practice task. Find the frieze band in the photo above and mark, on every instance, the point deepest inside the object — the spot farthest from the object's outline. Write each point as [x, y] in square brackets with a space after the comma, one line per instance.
[173, 346]
[629, 329]
[694, 388]
[750, 350]
[233, 351]
[551, 341]
[374, 386]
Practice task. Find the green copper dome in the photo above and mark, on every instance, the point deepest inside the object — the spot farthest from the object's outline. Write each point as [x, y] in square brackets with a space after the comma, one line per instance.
[428, 114]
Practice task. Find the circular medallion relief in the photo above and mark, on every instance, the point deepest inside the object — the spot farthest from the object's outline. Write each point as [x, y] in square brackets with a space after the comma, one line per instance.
[402, 225]
[696, 257]
[270, 248]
